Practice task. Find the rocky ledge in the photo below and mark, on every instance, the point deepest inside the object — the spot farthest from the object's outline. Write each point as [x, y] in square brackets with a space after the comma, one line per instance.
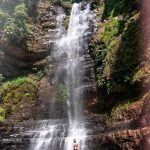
[136, 139]
[15, 61]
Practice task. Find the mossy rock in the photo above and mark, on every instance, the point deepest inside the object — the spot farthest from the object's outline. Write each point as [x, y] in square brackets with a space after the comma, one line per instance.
[62, 93]
[2, 119]
[66, 22]
[115, 51]
[2, 115]
[67, 5]
[142, 75]
[129, 109]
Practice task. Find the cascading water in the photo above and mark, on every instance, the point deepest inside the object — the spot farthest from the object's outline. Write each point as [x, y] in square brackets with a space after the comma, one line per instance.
[70, 53]
[75, 46]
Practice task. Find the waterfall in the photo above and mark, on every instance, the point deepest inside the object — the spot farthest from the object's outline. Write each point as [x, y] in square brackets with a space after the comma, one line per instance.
[70, 54]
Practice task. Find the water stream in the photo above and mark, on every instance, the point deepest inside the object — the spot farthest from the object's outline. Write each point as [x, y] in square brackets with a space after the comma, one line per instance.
[71, 54]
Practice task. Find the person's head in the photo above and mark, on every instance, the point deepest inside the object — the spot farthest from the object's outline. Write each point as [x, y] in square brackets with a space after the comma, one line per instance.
[74, 140]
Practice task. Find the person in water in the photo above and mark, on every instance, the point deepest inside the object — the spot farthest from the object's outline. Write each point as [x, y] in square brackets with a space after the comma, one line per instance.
[75, 145]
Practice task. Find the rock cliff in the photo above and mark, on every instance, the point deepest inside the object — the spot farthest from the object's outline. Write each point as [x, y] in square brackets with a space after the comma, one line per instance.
[117, 104]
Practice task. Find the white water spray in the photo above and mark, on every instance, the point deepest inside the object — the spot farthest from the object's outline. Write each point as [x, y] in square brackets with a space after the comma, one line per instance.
[70, 52]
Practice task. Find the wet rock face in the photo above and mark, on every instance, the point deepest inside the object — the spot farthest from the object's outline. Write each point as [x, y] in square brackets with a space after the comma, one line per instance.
[12, 139]
[10, 143]
[48, 105]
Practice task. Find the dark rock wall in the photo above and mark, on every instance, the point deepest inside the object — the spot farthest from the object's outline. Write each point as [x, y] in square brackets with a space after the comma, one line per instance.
[14, 61]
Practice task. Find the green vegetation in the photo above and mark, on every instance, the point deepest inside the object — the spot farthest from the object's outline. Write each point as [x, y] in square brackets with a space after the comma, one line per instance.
[16, 29]
[1, 78]
[111, 30]
[14, 93]
[18, 19]
[66, 22]
[2, 115]
[142, 75]
[128, 109]
[121, 111]
[115, 51]
[15, 21]
[121, 7]
[4, 16]
[15, 83]
[62, 95]
[115, 47]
